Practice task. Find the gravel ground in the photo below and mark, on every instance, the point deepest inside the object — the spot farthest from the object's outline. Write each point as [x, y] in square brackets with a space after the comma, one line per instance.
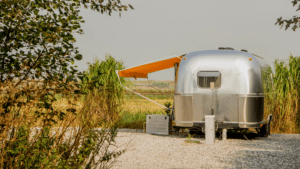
[153, 151]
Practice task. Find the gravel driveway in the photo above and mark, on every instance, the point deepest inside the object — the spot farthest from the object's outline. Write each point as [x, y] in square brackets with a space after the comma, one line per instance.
[153, 151]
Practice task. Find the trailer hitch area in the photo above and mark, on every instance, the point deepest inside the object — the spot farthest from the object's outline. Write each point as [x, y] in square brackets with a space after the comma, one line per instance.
[270, 118]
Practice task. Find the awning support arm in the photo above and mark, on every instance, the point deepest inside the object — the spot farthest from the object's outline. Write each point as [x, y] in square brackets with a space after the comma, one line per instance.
[140, 94]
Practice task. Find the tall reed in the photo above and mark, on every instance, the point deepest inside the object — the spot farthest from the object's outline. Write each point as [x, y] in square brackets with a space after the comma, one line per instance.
[101, 76]
[282, 98]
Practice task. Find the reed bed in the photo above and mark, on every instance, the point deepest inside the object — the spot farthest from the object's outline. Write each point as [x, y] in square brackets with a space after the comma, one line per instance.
[282, 95]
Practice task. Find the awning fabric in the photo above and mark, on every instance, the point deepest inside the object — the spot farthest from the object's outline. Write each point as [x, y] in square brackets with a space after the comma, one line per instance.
[143, 70]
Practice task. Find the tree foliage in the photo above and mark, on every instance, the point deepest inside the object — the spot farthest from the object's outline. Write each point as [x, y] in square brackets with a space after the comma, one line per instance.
[36, 42]
[36, 36]
[294, 22]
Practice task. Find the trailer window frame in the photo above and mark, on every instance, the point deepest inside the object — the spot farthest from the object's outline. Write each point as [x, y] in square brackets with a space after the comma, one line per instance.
[211, 74]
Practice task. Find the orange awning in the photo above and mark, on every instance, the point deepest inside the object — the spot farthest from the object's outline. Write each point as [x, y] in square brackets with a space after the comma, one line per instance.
[143, 70]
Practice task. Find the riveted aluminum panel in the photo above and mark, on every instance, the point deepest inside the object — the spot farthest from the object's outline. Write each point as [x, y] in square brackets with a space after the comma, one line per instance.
[225, 106]
[183, 112]
[228, 105]
[251, 109]
[254, 77]
[157, 124]
[240, 72]
[201, 106]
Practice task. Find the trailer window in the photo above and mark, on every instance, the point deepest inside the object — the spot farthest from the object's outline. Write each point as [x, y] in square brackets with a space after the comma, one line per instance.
[205, 77]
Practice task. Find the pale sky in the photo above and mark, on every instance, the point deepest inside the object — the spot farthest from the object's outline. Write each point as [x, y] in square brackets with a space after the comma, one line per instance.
[158, 29]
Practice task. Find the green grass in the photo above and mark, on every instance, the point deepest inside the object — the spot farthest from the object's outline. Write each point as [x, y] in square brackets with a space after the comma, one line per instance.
[151, 96]
[135, 120]
[160, 85]
[151, 93]
[153, 90]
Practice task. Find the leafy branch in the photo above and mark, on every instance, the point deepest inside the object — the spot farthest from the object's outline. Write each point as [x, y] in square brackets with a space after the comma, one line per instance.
[294, 22]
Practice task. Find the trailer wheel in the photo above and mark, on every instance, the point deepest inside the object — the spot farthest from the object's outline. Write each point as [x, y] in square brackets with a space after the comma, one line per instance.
[195, 131]
[219, 134]
[176, 130]
[264, 130]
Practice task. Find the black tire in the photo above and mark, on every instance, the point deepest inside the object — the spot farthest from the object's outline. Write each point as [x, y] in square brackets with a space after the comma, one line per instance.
[195, 131]
[264, 130]
[176, 130]
[219, 134]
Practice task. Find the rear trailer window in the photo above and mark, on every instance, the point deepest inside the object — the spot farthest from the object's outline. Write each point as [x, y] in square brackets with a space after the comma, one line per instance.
[205, 77]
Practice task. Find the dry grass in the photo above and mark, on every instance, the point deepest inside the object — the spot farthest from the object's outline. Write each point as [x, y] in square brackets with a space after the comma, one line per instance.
[133, 112]
[283, 95]
[144, 105]
[77, 143]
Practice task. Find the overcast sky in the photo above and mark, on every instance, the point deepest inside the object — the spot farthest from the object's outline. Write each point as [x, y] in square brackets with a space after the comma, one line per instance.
[159, 29]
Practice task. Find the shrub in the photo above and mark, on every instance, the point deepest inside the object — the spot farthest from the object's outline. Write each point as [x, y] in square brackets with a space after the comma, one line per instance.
[36, 134]
[168, 105]
[101, 76]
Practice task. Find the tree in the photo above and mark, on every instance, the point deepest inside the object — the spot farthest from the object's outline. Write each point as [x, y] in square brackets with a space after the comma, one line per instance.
[36, 42]
[294, 21]
[36, 36]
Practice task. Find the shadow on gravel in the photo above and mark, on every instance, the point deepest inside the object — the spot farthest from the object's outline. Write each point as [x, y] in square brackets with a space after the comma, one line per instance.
[249, 136]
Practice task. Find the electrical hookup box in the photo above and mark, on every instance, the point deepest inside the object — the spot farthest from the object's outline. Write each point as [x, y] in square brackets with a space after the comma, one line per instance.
[157, 124]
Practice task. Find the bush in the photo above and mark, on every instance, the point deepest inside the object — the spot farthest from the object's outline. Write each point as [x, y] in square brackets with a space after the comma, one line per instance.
[168, 105]
[101, 76]
[36, 134]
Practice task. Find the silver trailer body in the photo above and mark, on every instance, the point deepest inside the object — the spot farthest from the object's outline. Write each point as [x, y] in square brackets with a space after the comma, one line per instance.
[237, 100]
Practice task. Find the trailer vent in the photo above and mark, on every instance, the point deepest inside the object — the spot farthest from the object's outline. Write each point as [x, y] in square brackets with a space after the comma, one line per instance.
[226, 48]
[244, 50]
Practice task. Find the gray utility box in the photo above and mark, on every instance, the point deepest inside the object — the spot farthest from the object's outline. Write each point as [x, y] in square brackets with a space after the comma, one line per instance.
[157, 124]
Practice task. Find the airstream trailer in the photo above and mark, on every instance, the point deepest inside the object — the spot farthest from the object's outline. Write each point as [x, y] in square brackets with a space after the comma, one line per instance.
[224, 83]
